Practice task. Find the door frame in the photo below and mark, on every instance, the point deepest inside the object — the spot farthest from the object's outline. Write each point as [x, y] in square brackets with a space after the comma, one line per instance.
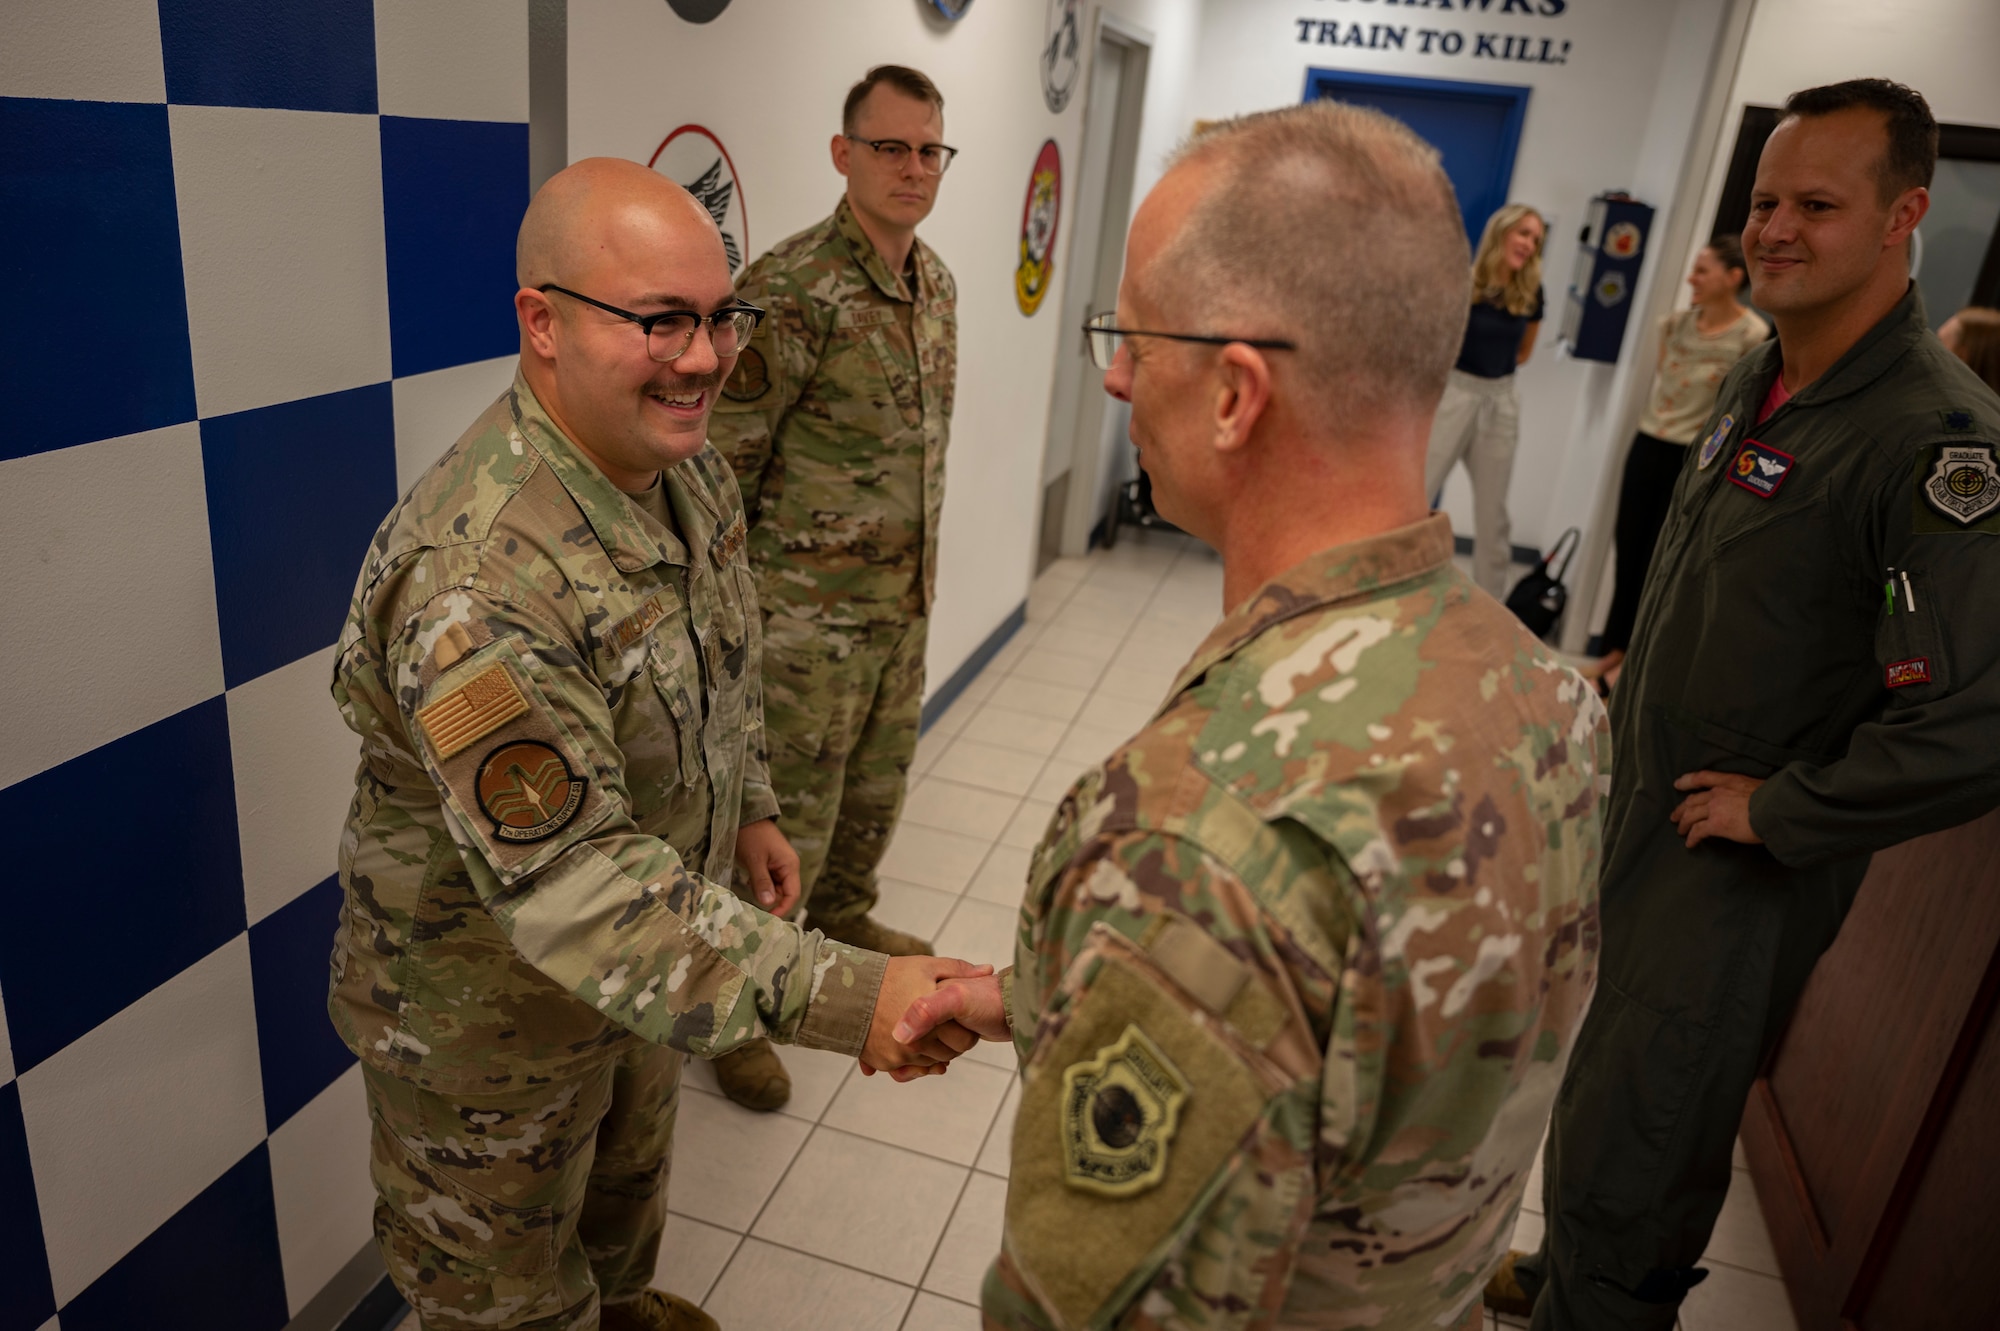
[1513, 95]
[1075, 405]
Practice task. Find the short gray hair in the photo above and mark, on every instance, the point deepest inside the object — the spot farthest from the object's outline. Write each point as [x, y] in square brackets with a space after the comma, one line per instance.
[1335, 227]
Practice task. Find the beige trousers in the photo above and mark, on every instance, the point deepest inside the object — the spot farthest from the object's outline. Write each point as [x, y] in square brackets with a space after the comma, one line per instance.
[1479, 422]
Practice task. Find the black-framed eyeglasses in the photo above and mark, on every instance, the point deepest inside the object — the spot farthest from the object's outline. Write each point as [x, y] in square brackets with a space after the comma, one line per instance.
[671, 332]
[1104, 339]
[932, 157]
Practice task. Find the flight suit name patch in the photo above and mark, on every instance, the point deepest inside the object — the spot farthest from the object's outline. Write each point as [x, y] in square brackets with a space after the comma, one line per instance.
[1760, 468]
[527, 791]
[1902, 674]
[1119, 1114]
[1964, 484]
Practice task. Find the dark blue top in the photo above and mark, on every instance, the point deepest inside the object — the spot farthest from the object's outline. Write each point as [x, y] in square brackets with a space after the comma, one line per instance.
[1493, 338]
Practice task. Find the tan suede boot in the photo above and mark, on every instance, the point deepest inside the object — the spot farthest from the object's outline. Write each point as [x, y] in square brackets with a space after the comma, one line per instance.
[655, 1310]
[866, 933]
[1504, 1293]
[752, 1076]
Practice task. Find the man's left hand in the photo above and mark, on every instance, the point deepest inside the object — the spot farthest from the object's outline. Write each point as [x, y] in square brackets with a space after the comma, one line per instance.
[770, 865]
[1719, 807]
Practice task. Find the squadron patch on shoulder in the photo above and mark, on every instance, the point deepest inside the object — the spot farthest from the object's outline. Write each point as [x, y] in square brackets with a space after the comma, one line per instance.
[1713, 444]
[751, 378]
[528, 791]
[1964, 483]
[471, 711]
[1760, 468]
[1120, 1110]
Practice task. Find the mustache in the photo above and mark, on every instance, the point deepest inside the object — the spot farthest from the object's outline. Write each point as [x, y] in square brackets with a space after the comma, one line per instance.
[687, 383]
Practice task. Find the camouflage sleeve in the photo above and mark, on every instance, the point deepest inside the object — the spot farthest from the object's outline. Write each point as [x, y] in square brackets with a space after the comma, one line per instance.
[1118, 985]
[517, 736]
[770, 375]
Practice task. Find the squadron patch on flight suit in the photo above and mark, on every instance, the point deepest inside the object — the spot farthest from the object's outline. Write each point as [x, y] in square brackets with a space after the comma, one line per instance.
[1964, 483]
[1713, 444]
[528, 791]
[1119, 1113]
[1760, 468]
[751, 378]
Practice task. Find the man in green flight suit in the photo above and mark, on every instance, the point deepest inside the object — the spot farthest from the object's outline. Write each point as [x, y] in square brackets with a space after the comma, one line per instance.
[1815, 675]
[551, 662]
[1300, 964]
[836, 421]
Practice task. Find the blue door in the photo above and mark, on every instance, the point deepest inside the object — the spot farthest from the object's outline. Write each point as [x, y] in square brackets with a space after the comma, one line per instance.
[1475, 127]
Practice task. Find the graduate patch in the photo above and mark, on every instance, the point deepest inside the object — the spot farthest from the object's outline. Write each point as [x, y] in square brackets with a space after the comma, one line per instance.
[1119, 1113]
[1760, 468]
[1902, 674]
[1713, 444]
[528, 791]
[751, 378]
[1964, 484]
[471, 711]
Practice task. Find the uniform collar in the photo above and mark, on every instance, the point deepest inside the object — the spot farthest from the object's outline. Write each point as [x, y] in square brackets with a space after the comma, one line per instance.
[1868, 359]
[1358, 569]
[872, 263]
[630, 541]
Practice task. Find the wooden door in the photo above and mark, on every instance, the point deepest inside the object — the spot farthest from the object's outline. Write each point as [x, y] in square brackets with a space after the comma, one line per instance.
[1871, 1138]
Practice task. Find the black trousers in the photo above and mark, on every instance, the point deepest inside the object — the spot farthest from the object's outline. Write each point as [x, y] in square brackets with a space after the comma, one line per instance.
[1651, 469]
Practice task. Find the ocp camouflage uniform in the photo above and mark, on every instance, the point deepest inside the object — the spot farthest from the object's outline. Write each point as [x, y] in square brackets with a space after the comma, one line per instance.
[559, 714]
[836, 421]
[1300, 966]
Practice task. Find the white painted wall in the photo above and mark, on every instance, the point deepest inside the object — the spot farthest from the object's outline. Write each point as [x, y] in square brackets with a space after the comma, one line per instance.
[1945, 49]
[1587, 130]
[768, 78]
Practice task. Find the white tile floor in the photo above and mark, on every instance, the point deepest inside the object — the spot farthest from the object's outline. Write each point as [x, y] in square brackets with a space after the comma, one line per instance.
[868, 1205]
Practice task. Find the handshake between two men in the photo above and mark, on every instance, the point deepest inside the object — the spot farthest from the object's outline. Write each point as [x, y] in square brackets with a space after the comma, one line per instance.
[929, 1009]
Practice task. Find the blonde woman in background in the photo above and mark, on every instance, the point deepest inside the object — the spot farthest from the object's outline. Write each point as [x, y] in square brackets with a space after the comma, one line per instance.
[1973, 335]
[1479, 419]
[1698, 346]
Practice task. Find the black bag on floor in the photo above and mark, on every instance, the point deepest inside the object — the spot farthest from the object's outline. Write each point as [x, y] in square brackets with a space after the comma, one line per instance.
[1539, 598]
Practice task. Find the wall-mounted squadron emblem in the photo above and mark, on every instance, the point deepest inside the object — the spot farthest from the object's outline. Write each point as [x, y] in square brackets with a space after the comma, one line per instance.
[693, 158]
[1964, 484]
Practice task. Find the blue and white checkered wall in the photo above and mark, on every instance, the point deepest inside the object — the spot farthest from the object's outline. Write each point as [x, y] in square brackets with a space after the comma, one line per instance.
[259, 258]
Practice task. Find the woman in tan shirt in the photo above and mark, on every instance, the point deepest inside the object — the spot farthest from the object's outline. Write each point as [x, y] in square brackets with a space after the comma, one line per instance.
[1698, 345]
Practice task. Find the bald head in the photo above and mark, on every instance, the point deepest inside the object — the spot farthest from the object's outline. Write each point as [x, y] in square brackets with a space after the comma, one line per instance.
[604, 212]
[1329, 225]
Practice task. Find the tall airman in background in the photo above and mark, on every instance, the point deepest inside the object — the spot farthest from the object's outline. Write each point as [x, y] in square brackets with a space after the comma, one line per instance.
[836, 420]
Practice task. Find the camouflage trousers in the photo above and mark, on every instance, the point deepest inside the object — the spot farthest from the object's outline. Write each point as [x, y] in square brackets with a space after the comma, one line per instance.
[841, 710]
[528, 1208]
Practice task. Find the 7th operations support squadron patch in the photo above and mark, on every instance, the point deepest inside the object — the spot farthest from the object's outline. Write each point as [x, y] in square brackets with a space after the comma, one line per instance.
[526, 788]
[1119, 1113]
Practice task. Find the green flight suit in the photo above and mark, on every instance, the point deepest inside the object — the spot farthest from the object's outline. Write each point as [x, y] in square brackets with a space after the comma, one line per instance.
[1765, 645]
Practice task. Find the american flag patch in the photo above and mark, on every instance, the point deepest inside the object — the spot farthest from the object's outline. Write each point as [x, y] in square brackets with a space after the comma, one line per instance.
[477, 707]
